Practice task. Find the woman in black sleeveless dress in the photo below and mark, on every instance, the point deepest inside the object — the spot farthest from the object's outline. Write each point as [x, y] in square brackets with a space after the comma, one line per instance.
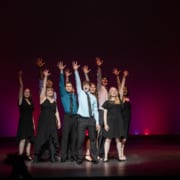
[48, 123]
[25, 130]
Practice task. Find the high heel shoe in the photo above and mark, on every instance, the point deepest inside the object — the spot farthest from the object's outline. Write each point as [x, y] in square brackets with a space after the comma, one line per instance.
[28, 158]
[88, 158]
[122, 158]
[105, 160]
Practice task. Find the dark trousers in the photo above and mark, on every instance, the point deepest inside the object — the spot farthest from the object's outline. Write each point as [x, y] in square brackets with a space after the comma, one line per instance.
[83, 124]
[69, 137]
[100, 137]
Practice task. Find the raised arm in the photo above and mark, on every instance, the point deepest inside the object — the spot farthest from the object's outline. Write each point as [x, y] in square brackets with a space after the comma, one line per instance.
[86, 70]
[99, 73]
[116, 72]
[61, 67]
[67, 75]
[20, 86]
[43, 91]
[40, 64]
[125, 74]
[77, 77]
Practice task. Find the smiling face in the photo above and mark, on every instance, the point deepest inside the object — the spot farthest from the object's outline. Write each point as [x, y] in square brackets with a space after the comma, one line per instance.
[49, 92]
[113, 92]
[86, 86]
[104, 81]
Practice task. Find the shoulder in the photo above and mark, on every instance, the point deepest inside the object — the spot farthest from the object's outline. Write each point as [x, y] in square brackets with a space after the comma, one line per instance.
[106, 104]
[127, 99]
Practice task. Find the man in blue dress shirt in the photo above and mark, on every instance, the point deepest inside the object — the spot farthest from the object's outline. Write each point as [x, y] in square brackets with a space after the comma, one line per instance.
[69, 130]
[85, 119]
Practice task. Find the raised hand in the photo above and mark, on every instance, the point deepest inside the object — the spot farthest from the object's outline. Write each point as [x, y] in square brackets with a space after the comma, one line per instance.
[75, 65]
[67, 72]
[85, 69]
[46, 73]
[40, 62]
[60, 65]
[116, 71]
[125, 72]
[99, 61]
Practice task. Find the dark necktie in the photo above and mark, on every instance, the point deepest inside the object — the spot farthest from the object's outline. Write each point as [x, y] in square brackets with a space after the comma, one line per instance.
[89, 105]
[71, 103]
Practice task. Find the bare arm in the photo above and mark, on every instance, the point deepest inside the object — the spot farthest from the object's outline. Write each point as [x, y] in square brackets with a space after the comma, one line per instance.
[125, 74]
[116, 72]
[86, 70]
[43, 91]
[106, 126]
[99, 73]
[58, 121]
[33, 123]
[20, 86]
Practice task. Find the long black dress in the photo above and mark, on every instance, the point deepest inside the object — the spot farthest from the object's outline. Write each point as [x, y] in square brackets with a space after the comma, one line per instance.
[25, 128]
[114, 120]
[47, 128]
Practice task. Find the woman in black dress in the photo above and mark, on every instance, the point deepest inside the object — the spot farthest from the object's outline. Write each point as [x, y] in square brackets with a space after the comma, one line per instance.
[48, 123]
[126, 110]
[25, 131]
[113, 122]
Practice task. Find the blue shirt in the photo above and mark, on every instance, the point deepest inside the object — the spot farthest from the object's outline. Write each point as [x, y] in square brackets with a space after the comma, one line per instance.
[83, 102]
[65, 97]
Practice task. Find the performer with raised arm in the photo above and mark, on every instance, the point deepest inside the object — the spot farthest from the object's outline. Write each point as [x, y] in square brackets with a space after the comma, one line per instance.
[88, 117]
[48, 123]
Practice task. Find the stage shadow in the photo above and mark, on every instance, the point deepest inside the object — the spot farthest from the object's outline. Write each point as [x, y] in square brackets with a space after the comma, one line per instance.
[19, 168]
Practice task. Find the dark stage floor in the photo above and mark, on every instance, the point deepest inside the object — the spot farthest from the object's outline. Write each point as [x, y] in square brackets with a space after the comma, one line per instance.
[146, 156]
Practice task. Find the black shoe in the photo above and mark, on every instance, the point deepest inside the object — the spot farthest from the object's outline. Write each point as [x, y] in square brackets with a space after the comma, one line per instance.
[63, 160]
[95, 161]
[56, 158]
[35, 160]
[72, 159]
[53, 159]
[79, 161]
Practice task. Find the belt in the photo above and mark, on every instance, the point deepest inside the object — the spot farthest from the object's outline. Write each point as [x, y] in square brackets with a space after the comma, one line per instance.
[69, 114]
[85, 117]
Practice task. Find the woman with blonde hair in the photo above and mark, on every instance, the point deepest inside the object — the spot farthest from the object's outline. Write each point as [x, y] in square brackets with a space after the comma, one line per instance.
[48, 123]
[113, 122]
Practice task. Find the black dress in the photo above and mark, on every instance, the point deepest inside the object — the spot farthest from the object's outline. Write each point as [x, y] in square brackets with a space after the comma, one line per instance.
[47, 128]
[114, 120]
[25, 128]
[126, 117]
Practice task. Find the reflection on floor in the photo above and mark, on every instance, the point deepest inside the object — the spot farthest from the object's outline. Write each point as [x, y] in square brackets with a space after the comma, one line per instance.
[146, 156]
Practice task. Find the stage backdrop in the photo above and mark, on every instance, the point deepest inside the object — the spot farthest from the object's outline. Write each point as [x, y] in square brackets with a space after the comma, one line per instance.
[141, 37]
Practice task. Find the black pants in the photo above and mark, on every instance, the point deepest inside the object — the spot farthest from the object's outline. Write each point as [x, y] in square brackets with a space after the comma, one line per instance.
[69, 137]
[83, 124]
[100, 137]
